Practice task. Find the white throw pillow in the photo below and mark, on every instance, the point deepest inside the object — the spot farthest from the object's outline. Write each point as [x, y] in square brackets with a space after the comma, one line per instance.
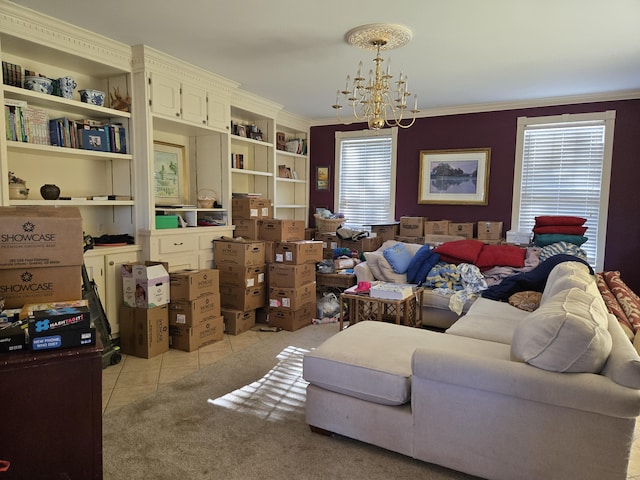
[568, 333]
[372, 259]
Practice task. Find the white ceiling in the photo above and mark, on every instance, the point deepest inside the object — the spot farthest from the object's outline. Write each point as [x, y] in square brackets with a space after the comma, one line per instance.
[463, 52]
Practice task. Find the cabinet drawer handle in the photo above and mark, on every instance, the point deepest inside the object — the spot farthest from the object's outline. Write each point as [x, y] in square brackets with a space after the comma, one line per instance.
[181, 243]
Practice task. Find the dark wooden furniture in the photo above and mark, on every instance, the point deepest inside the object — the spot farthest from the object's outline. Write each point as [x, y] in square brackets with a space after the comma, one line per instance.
[51, 414]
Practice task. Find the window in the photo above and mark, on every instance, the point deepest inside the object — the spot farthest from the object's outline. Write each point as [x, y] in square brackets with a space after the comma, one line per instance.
[366, 176]
[563, 167]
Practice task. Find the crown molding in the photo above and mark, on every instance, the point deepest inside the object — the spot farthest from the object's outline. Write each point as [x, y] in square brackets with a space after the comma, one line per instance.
[511, 105]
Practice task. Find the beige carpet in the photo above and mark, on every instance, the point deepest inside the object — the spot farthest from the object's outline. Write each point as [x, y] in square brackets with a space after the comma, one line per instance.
[243, 418]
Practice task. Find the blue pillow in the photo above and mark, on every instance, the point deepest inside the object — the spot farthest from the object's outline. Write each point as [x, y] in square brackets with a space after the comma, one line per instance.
[423, 261]
[398, 257]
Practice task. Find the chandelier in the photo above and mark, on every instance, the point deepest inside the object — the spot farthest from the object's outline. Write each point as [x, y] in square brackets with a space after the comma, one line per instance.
[378, 99]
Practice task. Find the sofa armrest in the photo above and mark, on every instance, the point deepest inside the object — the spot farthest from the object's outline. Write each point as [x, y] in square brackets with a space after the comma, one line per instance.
[363, 272]
[582, 391]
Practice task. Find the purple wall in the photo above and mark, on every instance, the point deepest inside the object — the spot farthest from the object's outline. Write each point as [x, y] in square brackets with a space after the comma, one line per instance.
[497, 130]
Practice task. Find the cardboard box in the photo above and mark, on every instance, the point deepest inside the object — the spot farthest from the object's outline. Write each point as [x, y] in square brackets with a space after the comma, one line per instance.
[462, 229]
[145, 285]
[291, 276]
[241, 276]
[298, 252]
[292, 298]
[309, 233]
[239, 252]
[391, 291]
[329, 240]
[144, 332]
[518, 238]
[40, 285]
[192, 312]
[292, 320]
[40, 237]
[192, 284]
[53, 340]
[419, 240]
[282, 230]
[251, 208]
[247, 228]
[241, 298]
[237, 321]
[190, 339]
[13, 338]
[52, 320]
[386, 232]
[440, 227]
[412, 226]
[367, 244]
[270, 251]
[489, 230]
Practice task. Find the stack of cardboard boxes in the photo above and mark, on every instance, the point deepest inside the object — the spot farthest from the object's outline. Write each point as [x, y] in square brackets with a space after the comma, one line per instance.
[242, 268]
[414, 230]
[41, 258]
[292, 283]
[144, 315]
[195, 318]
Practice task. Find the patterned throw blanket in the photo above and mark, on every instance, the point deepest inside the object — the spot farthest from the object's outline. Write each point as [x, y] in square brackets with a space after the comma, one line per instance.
[463, 282]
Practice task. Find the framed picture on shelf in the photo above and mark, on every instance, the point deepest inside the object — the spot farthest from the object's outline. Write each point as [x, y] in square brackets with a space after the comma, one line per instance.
[282, 171]
[454, 177]
[280, 141]
[322, 178]
[241, 130]
[256, 136]
[169, 173]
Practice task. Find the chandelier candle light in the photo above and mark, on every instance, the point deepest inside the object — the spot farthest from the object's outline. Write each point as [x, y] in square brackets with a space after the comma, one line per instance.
[378, 101]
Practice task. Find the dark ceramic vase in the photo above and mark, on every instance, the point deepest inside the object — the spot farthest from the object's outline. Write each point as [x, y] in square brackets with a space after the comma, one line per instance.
[50, 191]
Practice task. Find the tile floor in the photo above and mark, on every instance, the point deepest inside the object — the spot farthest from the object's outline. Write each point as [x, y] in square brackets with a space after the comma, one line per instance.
[134, 377]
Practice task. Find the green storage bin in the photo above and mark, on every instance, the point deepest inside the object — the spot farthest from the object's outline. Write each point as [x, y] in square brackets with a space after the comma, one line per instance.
[166, 221]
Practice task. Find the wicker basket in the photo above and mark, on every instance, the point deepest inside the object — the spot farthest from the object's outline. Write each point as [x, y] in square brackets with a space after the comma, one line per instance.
[206, 198]
[328, 224]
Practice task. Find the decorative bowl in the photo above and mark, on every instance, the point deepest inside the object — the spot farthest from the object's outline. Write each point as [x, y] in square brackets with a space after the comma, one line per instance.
[39, 84]
[94, 97]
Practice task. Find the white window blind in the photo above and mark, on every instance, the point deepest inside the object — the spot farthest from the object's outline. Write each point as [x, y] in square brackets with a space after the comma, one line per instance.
[564, 169]
[366, 176]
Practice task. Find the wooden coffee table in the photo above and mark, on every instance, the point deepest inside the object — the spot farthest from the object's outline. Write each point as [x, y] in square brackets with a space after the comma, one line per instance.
[360, 307]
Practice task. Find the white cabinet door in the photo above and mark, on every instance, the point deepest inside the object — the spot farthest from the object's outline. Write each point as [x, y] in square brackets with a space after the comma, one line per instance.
[194, 104]
[165, 95]
[219, 112]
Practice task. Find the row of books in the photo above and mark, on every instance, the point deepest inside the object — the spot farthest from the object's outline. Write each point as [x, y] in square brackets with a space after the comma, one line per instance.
[237, 160]
[11, 74]
[26, 123]
[88, 135]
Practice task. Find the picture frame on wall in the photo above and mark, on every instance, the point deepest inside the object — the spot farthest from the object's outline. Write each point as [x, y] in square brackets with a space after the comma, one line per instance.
[169, 174]
[322, 179]
[454, 177]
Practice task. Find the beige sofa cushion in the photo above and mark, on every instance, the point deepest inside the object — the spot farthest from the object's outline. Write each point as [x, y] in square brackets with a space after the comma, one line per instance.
[568, 333]
[623, 364]
[566, 275]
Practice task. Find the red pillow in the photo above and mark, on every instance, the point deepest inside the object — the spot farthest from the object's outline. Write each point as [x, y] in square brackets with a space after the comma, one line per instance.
[459, 251]
[628, 300]
[565, 229]
[546, 220]
[501, 255]
[613, 306]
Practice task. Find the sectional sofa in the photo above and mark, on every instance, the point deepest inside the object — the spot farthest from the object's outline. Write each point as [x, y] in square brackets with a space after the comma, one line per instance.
[502, 394]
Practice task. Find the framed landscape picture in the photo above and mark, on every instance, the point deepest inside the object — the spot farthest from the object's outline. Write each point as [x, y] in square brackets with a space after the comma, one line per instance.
[322, 178]
[454, 177]
[169, 174]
